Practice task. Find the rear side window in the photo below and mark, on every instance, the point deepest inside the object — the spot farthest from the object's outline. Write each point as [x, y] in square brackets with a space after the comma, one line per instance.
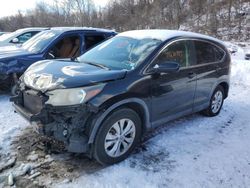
[207, 53]
[93, 40]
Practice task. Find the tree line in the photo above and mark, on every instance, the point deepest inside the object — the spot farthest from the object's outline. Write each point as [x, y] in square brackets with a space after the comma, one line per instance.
[225, 19]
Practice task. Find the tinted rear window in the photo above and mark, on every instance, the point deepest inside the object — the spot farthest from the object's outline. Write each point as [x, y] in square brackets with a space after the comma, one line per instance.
[207, 53]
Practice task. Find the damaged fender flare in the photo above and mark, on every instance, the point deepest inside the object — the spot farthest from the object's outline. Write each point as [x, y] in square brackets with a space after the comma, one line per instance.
[100, 119]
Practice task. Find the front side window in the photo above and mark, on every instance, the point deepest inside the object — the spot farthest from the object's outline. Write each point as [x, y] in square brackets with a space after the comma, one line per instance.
[121, 52]
[178, 52]
[26, 36]
[67, 47]
[207, 53]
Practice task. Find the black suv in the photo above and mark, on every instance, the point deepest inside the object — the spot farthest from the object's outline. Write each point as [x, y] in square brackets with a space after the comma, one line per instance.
[103, 102]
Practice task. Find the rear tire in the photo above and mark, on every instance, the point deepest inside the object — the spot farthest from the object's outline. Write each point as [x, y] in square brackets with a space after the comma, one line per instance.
[216, 102]
[117, 137]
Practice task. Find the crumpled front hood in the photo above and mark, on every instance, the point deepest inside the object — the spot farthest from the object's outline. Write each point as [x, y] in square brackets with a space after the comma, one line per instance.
[68, 74]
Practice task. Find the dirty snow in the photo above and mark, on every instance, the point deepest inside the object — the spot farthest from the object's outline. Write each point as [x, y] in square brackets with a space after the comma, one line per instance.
[194, 151]
[10, 123]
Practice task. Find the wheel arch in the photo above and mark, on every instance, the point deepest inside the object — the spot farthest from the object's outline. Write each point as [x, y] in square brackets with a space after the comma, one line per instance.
[136, 104]
[225, 86]
[223, 83]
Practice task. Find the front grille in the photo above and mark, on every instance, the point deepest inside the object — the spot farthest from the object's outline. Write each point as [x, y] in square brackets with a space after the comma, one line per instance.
[32, 102]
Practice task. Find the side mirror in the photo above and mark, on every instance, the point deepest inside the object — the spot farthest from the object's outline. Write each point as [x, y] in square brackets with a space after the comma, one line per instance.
[166, 67]
[15, 40]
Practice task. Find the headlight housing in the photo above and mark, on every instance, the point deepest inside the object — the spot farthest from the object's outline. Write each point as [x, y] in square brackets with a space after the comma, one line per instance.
[36, 79]
[74, 96]
[41, 82]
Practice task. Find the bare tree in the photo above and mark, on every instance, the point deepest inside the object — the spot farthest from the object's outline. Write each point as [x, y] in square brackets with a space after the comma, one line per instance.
[221, 18]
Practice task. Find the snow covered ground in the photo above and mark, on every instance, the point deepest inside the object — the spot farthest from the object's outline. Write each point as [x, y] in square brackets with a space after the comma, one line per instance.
[194, 151]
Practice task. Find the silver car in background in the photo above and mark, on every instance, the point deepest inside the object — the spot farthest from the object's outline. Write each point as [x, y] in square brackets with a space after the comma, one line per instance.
[19, 36]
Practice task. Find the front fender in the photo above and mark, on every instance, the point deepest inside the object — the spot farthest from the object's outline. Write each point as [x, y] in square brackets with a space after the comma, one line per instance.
[12, 66]
[100, 118]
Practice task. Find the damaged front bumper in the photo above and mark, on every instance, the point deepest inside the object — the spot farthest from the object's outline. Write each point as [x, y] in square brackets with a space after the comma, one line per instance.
[68, 124]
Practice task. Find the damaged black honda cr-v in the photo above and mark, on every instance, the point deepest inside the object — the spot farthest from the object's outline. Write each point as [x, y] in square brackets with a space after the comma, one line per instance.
[103, 102]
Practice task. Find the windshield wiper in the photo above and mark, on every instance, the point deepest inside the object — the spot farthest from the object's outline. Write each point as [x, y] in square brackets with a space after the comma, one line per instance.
[90, 63]
[97, 65]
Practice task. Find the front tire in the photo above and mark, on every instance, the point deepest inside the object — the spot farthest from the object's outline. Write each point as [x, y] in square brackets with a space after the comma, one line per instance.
[216, 102]
[118, 136]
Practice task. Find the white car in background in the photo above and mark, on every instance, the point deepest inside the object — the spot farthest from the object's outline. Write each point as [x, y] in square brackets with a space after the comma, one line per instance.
[19, 36]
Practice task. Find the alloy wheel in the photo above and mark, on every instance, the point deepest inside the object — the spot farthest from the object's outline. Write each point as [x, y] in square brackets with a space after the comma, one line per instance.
[217, 101]
[120, 137]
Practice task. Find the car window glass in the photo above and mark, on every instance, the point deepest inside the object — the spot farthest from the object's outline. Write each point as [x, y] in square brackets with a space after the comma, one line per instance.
[219, 54]
[176, 52]
[207, 53]
[41, 41]
[92, 40]
[121, 52]
[24, 37]
[67, 47]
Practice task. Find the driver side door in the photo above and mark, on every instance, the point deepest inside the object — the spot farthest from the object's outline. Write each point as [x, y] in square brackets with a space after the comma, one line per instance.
[173, 93]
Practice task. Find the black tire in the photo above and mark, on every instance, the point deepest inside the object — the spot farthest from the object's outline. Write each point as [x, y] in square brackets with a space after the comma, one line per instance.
[209, 111]
[99, 145]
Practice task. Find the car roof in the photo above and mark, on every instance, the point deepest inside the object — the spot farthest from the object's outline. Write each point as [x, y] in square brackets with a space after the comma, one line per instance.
[64, 29]
[32, 29]
[163, 35]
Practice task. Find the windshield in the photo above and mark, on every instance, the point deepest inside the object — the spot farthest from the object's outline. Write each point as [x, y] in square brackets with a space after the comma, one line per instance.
[10, 35]
[120, 52]
[40, 41]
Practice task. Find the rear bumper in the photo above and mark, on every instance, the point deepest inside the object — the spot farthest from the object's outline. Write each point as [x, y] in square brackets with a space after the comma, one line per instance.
[65, 124]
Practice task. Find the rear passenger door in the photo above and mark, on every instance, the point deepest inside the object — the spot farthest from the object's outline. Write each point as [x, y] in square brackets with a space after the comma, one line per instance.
[207, 68]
